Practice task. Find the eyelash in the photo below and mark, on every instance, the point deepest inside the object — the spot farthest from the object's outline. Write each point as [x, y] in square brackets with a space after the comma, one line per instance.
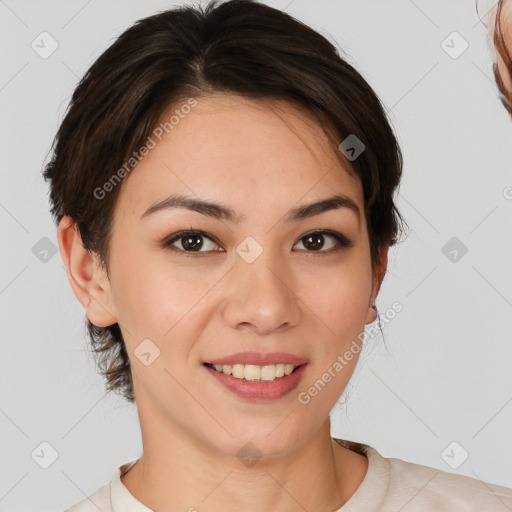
[343, 242]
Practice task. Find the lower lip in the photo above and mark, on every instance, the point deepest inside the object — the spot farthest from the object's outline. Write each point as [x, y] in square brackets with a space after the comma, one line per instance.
[259, 391]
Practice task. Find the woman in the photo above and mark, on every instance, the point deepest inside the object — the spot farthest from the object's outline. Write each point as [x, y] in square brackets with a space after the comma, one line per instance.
[223, 185]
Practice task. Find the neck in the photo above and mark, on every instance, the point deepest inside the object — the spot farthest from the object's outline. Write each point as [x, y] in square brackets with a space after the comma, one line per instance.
[179, 472]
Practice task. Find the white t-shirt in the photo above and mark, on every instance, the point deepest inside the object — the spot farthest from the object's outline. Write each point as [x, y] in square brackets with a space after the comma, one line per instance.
[390, 485]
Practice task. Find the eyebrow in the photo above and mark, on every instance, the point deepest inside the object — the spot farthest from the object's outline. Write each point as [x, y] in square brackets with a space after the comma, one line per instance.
[219, 211]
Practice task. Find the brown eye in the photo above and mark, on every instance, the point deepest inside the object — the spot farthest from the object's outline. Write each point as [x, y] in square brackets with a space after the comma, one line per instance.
[316, 241]
[191, 241]
[313, 242]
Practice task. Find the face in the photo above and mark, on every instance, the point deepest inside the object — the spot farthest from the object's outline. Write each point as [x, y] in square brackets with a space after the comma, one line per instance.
[254, 279]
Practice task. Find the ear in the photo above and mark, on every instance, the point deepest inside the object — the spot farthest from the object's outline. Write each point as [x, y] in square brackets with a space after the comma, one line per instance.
[87, 277]
[378, 275]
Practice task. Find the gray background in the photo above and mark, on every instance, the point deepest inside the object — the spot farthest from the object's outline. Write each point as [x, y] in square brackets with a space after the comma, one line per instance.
[447, 374]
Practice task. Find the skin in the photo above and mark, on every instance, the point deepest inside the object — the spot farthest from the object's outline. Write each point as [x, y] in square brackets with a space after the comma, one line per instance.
[291, 299]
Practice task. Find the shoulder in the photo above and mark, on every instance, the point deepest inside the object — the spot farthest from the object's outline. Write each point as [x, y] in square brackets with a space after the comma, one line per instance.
[96, 502]
[393, 485]
[419, 488]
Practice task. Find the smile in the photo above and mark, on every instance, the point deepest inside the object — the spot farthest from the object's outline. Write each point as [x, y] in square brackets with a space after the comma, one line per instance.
[255, 373]
[257, 383]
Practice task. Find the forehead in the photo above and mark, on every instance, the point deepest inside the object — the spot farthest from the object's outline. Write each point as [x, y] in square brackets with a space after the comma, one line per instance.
[234, 149]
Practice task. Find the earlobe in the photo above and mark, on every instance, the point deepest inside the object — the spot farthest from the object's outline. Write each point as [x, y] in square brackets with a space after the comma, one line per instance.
[87, 278]
[378, 276]
[371, 315]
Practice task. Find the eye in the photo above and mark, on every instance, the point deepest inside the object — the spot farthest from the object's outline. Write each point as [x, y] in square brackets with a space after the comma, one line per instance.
[191, 242]
[315, 241]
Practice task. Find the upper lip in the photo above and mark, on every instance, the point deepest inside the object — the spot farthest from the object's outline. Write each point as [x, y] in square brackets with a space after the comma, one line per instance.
[258, 358]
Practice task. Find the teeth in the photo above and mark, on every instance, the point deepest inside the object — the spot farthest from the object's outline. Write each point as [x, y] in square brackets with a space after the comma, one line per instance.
[252, 372]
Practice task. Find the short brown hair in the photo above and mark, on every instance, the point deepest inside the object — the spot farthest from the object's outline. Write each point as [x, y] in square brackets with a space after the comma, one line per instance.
[237, 47]
[501, 48]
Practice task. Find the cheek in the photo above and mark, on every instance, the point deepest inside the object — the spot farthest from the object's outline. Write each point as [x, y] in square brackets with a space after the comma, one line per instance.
[340, 295]
[166, 301]
[342, 307]
[160, 301]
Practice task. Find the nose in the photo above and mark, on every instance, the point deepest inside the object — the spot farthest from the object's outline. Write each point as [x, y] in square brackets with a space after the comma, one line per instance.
[260, 296]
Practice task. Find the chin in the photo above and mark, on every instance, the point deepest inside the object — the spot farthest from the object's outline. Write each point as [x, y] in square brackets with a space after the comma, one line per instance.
[268, 439]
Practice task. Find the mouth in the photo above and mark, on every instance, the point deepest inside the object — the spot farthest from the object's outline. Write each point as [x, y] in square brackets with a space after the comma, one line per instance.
[255, 373]
[257, 383]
